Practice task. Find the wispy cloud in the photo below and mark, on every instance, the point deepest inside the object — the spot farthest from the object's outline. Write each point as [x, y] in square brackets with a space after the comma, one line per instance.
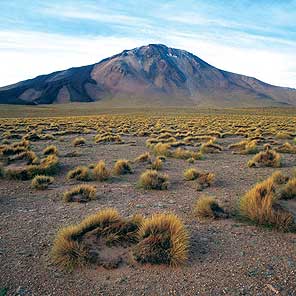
[256, 38]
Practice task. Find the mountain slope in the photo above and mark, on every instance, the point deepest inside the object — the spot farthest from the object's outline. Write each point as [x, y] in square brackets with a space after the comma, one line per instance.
[149, 75]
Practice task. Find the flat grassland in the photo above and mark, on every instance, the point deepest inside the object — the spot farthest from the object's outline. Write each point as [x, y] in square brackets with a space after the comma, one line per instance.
[228, 255]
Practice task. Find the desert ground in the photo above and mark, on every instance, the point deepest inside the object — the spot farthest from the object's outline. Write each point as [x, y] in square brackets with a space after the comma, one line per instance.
[227, 254]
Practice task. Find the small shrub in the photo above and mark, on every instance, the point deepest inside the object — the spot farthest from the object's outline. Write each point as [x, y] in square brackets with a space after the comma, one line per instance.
[41, 182]
[260, 206]
[29, 156]
[79, 141]
[122, 167]
[205, 180]
[81, 193]
[191, 174]
[157, 164]
[162, 149]
[210, 147]
[107, 138]
[289, 190]
[207, 207]
[163, 239]
[268, 158]
[69, 248]
[145, 157]
[287, 148]
[283, 135]
[50, 150]
[152, 179]
[278, 178]
[100, 171]
[80, 173]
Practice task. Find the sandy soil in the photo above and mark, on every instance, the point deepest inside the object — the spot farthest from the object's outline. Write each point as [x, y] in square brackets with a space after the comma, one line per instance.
[227, 257]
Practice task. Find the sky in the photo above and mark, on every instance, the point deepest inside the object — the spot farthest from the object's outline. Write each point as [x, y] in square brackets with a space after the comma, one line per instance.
[255, 38]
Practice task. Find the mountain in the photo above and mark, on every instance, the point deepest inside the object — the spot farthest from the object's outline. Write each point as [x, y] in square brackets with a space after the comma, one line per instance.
[149, 76]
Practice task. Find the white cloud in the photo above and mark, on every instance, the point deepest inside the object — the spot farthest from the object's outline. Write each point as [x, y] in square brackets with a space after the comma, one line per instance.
[25, 54]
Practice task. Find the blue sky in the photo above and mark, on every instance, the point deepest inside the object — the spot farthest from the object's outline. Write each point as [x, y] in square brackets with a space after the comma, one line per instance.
[256, 38]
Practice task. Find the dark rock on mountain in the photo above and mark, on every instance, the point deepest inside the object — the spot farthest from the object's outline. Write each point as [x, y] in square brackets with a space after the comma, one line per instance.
[148, 76]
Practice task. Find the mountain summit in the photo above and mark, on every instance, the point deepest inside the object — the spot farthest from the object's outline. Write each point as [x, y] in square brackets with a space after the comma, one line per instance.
[147, 76]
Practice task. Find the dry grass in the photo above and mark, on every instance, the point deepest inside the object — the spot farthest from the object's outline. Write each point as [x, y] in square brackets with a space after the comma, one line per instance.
[207, 207]
[260, 206]
[100, 171]
[79, 141]
[122, 167]
[151, 179]
[50, 150]
[48, 166]
[191, 174]
[162, 149]
[289, 190]
[163, 239]
[70, 251]
[145, 157]
[268, 158]
[41, 182]
[80, 173]
[157, 164]
[287, 148]
[80, 193]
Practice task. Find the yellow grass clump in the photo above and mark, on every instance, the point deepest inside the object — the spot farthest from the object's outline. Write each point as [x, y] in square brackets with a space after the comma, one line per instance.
[157, 164]
[163, 239]
[207, 207]
[69, 248]
[191, 174]
[289, 190]
[260, 206]
[80, 173]
[79, 141]
[100, 171]
[80, 193]
[41, 182]
[50, 150]
[151, 179]
[122, 167]
[268, 158]
[287, 148]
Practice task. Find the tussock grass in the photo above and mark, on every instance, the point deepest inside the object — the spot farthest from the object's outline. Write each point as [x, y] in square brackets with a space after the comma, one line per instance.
[268, 158]
[210, 147]
[52, 149]
[48, 166]
[108, 138]
[163, 239]
[207, 207]
[69, 249]
[145, 157]
[100, 171]
[289, 190]
[260, 206]
[287, 148]
[151, 179]
[80, 173]
[157, 164]
[79, 141]
[122, 167]
[80, 193]
[191, 174]
[41, 182]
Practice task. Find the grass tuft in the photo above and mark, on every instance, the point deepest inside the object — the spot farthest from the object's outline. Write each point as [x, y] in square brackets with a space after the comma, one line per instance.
[41, 182]
[163, 239]
[151, 179]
